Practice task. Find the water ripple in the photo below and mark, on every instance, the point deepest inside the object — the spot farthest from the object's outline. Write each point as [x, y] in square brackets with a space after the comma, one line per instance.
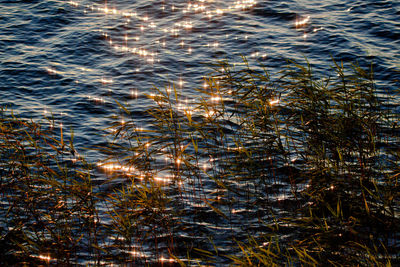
[76, 57]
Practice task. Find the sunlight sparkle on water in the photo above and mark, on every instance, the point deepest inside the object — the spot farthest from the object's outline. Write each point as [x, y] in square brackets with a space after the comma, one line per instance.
[45, 257]
[96, 99]
[52, 71]
[114, 167]
[194, 7]
[274, 102]
[73, 3]
[181, 82]
[303, 22]
[162, 259]
[162, 179]
[106, 81]
[215, 98]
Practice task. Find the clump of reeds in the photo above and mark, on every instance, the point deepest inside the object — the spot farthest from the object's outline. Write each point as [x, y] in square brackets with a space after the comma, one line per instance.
[349, 140]
[313, 157]
[301, 169]
[47, 204]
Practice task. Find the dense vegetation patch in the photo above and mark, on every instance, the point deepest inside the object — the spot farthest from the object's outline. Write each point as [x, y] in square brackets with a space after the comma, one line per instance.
[301, 169]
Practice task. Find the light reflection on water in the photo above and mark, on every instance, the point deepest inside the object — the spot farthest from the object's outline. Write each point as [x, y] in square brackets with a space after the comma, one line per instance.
[175, 37]
[95, 52]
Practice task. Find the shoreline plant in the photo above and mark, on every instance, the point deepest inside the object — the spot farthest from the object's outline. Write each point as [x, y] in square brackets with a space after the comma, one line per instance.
[302, 169]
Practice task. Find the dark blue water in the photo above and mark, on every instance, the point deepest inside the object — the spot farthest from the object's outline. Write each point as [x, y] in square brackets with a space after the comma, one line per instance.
[73, 58]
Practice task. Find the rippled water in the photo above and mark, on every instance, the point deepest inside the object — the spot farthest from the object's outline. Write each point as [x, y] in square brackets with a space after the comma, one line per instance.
[72, 58]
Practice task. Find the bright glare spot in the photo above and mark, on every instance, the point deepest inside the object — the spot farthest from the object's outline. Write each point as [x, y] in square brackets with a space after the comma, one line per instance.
[205, 166]
[273, 102]
[216, 98]
[162, 179]
[106, 81]
[303, 22]
[43, 257]
[281, 197]
[52, 71]
[113, 167]
[210, 113]
[73, 3]
[162, 259]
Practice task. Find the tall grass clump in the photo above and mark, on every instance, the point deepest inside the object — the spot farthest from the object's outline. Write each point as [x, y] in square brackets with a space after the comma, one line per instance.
[254, 170]
[300, 169]
[47, 203]
[350, 151]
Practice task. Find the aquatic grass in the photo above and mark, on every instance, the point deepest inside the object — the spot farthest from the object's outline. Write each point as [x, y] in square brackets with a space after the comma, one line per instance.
[300, 169]
[309, 151]
[48, 212]
[339, 125]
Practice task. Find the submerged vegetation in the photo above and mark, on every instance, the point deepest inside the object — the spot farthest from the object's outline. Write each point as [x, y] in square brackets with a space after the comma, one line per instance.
[299, 170]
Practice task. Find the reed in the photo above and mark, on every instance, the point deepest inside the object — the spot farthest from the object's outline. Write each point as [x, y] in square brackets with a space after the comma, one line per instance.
[301, 169]
[314, 159]
[48, 204]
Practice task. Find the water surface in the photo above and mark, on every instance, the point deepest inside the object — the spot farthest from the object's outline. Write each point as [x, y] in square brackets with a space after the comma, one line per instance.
[73, 58]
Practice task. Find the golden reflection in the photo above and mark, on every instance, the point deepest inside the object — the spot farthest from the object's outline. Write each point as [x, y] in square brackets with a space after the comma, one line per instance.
[106, 81]
[73, 3]
[134, 93]
[203, 8]
[215, 99]
[318, 29]
[164, 180]
[45, 257]
[210, 113]
[274, 102]
[206, 166]
[282, 197]
[96, 99]
[303, 22]
[142, 24]
[53, 71]
[162, 259]
[115, 167]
